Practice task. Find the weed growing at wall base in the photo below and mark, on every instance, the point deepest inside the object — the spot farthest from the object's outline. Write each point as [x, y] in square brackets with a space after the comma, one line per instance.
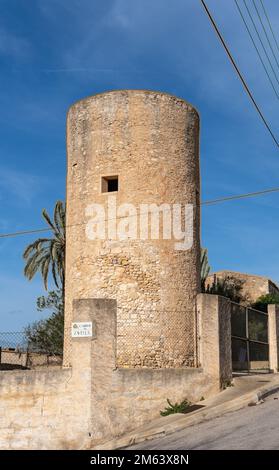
[175, 408]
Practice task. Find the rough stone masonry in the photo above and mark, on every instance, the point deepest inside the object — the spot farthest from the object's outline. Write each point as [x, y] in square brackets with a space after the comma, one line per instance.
[149, 143]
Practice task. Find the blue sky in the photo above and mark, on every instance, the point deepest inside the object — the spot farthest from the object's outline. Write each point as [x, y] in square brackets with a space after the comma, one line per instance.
[53, 52]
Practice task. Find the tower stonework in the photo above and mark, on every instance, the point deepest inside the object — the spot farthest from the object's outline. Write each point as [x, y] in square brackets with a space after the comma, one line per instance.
[134, 147]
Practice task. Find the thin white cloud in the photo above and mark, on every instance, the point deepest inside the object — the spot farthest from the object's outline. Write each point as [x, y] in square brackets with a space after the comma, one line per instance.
[79, 69]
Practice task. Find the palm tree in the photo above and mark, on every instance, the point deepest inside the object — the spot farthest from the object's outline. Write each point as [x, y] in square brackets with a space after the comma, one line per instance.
[48, 254]
[205, 268]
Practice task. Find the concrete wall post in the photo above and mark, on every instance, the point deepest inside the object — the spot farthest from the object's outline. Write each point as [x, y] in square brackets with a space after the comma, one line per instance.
[273, 336]
[214, 336]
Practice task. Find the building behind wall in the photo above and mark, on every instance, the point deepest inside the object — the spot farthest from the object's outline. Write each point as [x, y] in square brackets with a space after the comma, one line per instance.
[253, 286]
[136, 147]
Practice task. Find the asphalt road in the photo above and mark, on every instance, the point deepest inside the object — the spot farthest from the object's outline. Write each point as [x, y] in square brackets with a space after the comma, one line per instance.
[252, 428]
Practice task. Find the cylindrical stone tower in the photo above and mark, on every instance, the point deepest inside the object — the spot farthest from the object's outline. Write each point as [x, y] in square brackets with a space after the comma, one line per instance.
[134, 147]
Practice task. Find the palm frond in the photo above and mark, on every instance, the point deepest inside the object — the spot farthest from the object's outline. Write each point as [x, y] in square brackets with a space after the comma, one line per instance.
[44, 270]
[34, 265]
[48, 220]
[54, 275]
[59, 217]
[34, 246]
[47, 255]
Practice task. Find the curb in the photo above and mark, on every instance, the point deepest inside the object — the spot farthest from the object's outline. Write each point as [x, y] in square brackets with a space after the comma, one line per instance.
[267, 391]
[181, 421]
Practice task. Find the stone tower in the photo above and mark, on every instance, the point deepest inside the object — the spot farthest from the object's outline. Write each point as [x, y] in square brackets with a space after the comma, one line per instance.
[134, 147]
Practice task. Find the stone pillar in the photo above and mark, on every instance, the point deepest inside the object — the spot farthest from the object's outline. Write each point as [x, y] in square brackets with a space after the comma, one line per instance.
[273, 336]
[94, 360]
[103, 364]
[214, 336]
[92, 364]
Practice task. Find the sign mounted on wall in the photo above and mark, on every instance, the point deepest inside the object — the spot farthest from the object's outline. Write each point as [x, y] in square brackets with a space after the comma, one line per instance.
[81, 329]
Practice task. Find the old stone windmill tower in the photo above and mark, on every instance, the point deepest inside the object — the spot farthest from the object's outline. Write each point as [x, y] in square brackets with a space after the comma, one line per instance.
[141, 147]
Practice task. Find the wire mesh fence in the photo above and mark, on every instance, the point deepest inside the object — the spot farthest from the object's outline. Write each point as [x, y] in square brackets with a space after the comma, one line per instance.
[155, 338]
[17, 351]
[149, 338]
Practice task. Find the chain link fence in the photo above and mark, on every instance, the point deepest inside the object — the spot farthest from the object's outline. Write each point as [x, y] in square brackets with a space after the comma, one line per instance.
[156, 338]
[18, 352]
[145, 338]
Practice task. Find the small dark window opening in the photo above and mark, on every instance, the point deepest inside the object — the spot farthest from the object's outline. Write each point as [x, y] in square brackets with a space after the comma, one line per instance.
[109, 184]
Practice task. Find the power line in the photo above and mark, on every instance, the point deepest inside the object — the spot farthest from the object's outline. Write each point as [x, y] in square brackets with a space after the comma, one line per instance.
[269, 24]
[266, 35]
[239, 196]
[239, 73]
[204, 203]
[260, 39]
[255, 46]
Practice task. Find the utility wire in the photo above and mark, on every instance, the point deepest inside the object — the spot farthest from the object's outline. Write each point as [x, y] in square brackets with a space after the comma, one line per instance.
[260, 39]
[269, 24]
[266, 35]
[239, 196]
[239, 73]
[255, 46]
[204, 203]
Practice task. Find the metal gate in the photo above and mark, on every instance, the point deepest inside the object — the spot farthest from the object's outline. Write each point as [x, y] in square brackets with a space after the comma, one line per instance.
[250, 350]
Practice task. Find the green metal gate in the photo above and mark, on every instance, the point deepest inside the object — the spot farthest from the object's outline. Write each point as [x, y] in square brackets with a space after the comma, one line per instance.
[250, 349]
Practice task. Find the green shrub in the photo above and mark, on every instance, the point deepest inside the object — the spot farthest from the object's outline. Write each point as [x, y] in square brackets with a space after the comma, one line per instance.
[175, 408]
[227, 286]
[47, 335]
[264, 300]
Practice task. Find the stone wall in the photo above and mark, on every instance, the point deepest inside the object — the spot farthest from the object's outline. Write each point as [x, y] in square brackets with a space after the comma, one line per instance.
[272, 288]
[94, 401]
[124, 399]
[42, 410]
[150, 140]
[48, 409]
[253, 286]
[12, 359]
